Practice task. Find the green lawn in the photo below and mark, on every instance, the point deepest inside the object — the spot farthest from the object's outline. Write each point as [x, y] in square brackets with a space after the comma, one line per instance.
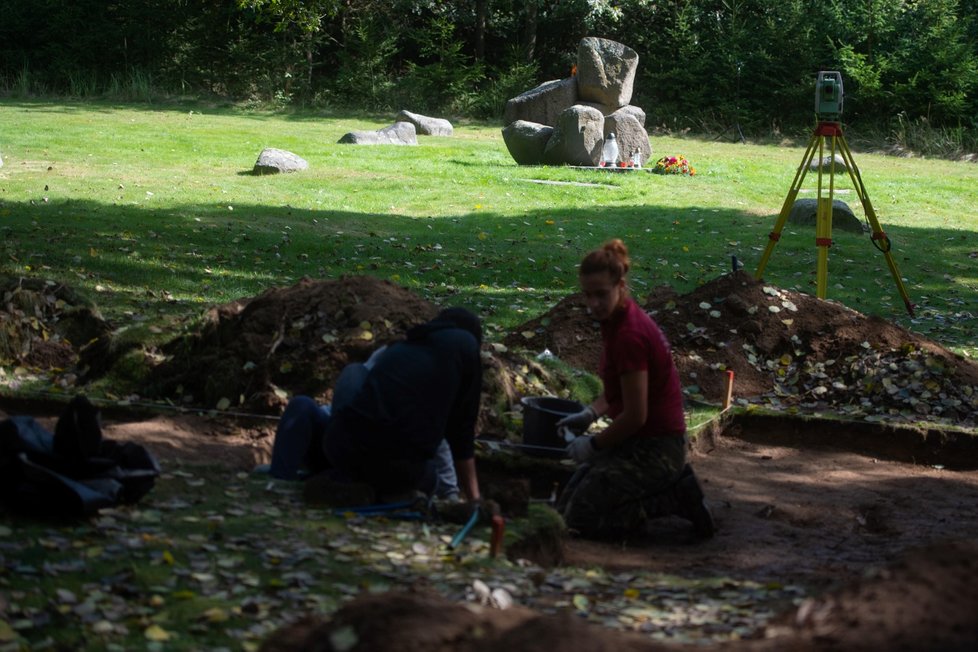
[154, 213]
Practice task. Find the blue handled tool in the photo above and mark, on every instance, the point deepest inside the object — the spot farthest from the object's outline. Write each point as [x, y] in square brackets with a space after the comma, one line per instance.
[457, 539]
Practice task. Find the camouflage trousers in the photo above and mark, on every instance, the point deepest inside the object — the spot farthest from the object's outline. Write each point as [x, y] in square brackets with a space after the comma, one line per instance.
[620, 489]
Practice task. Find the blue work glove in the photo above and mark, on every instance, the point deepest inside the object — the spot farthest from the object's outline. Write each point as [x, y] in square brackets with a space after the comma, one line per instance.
[581, 449]
[579, 421]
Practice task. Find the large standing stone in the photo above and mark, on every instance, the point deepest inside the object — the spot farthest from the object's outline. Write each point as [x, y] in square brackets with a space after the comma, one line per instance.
[605, 71]
[577, 138]
[631, 136]
[606, 109]
[527, 141]
[426, 126]
[274, 161]
[633, 111]
[826, 164]
[543, 104]
[805, 212]
[399, 133]
[582, 109]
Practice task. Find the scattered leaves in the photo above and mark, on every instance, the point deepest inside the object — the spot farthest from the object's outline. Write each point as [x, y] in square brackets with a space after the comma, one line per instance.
[156, 633]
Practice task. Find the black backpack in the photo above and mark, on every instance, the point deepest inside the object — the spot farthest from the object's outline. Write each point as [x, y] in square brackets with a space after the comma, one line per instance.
[74, 472]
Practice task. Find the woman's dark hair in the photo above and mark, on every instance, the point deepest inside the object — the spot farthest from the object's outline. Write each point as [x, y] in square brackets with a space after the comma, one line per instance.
[612, 257]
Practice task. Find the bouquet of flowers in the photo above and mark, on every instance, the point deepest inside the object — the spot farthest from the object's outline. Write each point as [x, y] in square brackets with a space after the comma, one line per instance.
[674, 165]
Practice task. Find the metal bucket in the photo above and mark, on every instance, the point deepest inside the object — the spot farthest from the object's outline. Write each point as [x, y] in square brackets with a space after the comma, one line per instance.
[540, 417]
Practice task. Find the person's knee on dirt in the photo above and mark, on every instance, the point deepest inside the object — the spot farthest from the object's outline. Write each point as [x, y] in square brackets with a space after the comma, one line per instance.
[620, 490]
[296, 449]
[412, 424]
[641, 455]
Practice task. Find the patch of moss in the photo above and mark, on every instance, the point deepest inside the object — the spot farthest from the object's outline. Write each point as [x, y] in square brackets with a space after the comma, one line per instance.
[578, 384]
[128, 371]
[538, 538]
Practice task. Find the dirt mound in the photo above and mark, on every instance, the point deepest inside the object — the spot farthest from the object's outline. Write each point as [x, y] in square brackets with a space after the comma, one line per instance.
[786, 349]
[566, 330]
[254, 353]
[45, 325]
[418, 620]
[927, 601]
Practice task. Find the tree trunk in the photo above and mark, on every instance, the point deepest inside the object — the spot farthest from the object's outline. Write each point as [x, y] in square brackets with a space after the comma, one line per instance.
[310, 58]
[481, 12]
[530, 31]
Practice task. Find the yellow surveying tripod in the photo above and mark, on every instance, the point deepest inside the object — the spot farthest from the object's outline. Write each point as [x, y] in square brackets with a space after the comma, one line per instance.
[829, 134]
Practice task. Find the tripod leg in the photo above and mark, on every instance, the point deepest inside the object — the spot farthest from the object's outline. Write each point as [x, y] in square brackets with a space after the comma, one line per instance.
[880, 240]
[823, 222]
[789, 201]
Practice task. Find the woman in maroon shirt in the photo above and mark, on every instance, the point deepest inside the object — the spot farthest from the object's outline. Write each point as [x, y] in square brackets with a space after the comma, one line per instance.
[635, 469]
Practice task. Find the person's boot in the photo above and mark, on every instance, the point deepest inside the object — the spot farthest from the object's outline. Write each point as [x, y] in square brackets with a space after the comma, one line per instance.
[692, 504]
[78, 432]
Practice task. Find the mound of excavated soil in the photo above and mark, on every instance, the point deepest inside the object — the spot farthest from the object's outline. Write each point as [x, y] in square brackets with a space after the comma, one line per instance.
[295, 340]
[45, 325]
[925, 601]
[785, 348]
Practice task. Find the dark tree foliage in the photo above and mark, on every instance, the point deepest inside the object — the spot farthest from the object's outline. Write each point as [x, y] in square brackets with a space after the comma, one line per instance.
[703, 63]
[83, 42]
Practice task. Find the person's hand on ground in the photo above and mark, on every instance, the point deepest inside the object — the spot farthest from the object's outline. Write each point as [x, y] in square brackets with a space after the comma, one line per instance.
[581, 449]
[579, 421]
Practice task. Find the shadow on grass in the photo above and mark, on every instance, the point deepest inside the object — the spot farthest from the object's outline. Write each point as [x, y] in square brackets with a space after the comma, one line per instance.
[510, 266]
[205, 106]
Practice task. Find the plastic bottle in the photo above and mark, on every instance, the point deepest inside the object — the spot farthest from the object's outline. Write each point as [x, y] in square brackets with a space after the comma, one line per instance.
[609, 152]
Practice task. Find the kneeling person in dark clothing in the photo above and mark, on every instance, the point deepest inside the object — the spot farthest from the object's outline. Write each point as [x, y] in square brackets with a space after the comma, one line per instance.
[391, 417]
